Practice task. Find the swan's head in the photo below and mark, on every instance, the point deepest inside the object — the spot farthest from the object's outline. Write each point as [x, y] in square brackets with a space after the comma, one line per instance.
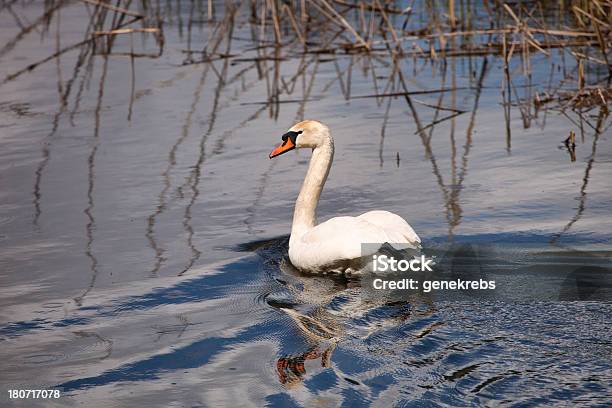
[308, 133]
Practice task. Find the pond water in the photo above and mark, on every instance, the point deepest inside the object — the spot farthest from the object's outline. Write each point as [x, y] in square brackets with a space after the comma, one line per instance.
[143, 229]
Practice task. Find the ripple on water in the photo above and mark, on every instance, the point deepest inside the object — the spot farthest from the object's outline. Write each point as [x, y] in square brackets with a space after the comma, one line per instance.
[43, 359]
[5, 220]
[450, 351]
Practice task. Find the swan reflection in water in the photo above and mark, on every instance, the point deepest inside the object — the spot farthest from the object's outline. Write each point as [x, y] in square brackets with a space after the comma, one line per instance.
[328, 309]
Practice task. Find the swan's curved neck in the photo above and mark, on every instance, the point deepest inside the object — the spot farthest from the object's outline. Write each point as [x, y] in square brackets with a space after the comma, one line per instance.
[304, 215]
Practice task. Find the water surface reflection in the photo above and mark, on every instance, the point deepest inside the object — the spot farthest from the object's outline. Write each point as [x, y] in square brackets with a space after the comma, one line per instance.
[135, 179]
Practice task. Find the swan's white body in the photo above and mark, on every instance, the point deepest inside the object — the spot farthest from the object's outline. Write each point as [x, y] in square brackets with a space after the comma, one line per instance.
[341, 238]
[315, 247]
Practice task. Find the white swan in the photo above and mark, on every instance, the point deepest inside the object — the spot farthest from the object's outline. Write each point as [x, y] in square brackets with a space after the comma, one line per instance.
[336, 241]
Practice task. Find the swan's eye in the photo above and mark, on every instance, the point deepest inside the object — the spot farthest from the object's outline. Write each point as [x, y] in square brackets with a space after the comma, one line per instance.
[291, 134]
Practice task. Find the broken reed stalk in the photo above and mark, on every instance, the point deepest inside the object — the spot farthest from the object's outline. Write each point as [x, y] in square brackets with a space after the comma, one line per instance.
[580, 74]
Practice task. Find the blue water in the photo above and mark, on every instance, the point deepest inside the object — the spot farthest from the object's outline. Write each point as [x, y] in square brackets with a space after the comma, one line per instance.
[143, 229]
[254, 322]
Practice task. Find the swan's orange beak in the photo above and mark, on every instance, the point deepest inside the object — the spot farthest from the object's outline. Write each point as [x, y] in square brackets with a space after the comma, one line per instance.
[283, 148]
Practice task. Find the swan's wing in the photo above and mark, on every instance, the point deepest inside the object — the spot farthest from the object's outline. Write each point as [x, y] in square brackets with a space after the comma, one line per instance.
[341, 238]
[393, 224]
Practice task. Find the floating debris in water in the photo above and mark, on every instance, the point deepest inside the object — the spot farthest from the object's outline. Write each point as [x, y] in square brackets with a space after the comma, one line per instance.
[570, 144]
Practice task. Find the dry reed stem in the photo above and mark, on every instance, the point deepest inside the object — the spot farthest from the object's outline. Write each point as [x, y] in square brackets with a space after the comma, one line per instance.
[370, 6]
[344, 22]
[294, 23]
[275, 19]
[391, 29]
[113, 8]
[523, 28]
[577, 10]
[127, 31]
